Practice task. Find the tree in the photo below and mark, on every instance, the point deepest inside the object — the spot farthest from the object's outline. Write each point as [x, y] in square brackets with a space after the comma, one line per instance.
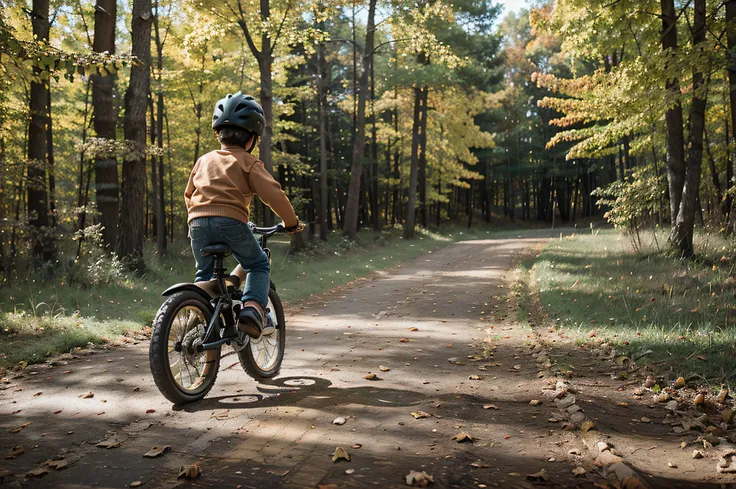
[38, 150]
[682, 229]
[350, 225]
[673, 116]
[105, 121]
[130, 236]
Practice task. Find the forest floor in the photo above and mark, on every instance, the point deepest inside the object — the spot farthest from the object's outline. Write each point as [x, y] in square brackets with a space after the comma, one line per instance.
[455, 352]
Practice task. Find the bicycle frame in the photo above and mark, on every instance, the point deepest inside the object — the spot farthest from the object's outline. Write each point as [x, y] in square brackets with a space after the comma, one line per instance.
[224, 302]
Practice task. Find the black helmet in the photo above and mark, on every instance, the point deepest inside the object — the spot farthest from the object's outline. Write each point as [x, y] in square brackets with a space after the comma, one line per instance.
[241, 111]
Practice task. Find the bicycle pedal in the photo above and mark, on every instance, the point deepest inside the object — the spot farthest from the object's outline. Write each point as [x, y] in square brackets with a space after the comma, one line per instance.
[268, 331]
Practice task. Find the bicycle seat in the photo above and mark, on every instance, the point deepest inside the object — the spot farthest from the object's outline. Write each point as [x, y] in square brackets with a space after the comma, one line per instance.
[216, 249]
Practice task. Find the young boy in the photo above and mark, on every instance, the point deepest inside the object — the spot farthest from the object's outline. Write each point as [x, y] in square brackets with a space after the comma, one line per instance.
[218, 196]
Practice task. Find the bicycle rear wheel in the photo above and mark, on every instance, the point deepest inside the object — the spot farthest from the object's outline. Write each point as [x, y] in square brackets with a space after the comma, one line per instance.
[181, 372]
[262, 357]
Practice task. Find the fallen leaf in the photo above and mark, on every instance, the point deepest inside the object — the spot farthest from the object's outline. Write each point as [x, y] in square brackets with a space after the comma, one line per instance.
[19, 428]
[490, 406]
[339, 421]
[340, 454]
[479, 465]
[357, 446]
[190, 471]
[58, 464]
[413, 329]
[87, 395]
[463, 436]
[157, 451]
[475, 377]
[149, 411]
[644, 419]
[587, 425]
[384, 369]
[679, 383]
[540, 476]
[136, 484]
[372, 377]
[726, 415]
[15, 452]
[404, 340]
[111, 443]
[419, 479]
[421, 414]
[535, 402]
[38, 472]
[579, 471]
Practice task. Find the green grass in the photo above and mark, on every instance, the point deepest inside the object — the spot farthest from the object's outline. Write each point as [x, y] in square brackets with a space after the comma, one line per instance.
[58, 318]
[683, 311]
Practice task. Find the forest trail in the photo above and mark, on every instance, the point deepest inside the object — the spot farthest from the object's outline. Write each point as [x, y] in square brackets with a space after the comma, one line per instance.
[282, 435]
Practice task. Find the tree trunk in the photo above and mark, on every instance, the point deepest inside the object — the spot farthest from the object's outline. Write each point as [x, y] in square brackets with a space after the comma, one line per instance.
[352, 208]
[375, 209]
[731, 39]
[160, 202]
[673, 117]
[51, 168]
[422, 173]
[682, 232]
[130, 238]
[321, 82]
[38, 204]
[105, 122]
[411, 205]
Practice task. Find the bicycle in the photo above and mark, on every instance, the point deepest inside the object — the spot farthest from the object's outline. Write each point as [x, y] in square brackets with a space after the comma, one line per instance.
[198, 318]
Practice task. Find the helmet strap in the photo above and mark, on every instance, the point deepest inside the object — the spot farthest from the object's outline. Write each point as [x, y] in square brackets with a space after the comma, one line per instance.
[253, 144]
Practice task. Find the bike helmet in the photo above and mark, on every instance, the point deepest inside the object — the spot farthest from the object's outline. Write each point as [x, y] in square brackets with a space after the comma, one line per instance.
[241, 111]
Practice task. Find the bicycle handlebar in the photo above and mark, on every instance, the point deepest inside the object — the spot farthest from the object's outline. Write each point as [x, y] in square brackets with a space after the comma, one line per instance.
[270, 231]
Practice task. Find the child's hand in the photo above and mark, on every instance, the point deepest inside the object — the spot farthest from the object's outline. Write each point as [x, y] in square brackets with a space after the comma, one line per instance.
[298, 228]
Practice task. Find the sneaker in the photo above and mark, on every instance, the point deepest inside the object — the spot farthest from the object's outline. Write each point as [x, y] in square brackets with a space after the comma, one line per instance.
[250, 322]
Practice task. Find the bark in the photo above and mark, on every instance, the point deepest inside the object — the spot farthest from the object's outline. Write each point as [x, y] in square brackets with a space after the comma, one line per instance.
[50, 167]
[130, 237]
[159, 204]
[416, 127]
[731, 40]
[422, 173]
[38, 204]
[375, 210]
[350, 228]
[682, 232]
[105, 122]
[321, 82]
[712, 166]
[673, 116]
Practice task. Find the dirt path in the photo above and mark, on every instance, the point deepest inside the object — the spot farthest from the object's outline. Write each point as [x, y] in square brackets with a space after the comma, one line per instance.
[429, 322]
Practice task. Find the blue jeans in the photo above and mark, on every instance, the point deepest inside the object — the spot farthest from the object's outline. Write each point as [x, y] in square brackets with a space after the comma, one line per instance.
[205, 231]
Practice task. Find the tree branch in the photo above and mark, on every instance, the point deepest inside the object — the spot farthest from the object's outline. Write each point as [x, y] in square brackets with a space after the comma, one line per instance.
[278, 33]
[246, 32]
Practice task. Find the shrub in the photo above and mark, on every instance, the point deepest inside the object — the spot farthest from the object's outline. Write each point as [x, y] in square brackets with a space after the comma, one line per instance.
[634, 204]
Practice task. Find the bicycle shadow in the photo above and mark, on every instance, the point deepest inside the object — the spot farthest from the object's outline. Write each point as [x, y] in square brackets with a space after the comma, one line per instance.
[313, 392]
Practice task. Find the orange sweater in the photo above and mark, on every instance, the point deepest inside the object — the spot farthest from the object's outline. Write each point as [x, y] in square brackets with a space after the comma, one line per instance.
[223, 183]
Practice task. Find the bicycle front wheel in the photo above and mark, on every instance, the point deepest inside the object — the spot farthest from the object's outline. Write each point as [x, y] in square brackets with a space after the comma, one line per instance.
[262, 357]
[183, 373]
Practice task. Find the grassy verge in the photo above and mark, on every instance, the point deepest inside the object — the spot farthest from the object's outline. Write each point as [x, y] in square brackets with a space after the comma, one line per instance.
[597, 288]
[58, 318]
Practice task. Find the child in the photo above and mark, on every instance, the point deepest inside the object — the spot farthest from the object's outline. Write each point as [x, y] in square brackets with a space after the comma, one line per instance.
[218, 196]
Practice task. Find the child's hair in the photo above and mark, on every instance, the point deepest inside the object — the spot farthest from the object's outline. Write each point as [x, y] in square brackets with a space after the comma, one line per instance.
[234, 135]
